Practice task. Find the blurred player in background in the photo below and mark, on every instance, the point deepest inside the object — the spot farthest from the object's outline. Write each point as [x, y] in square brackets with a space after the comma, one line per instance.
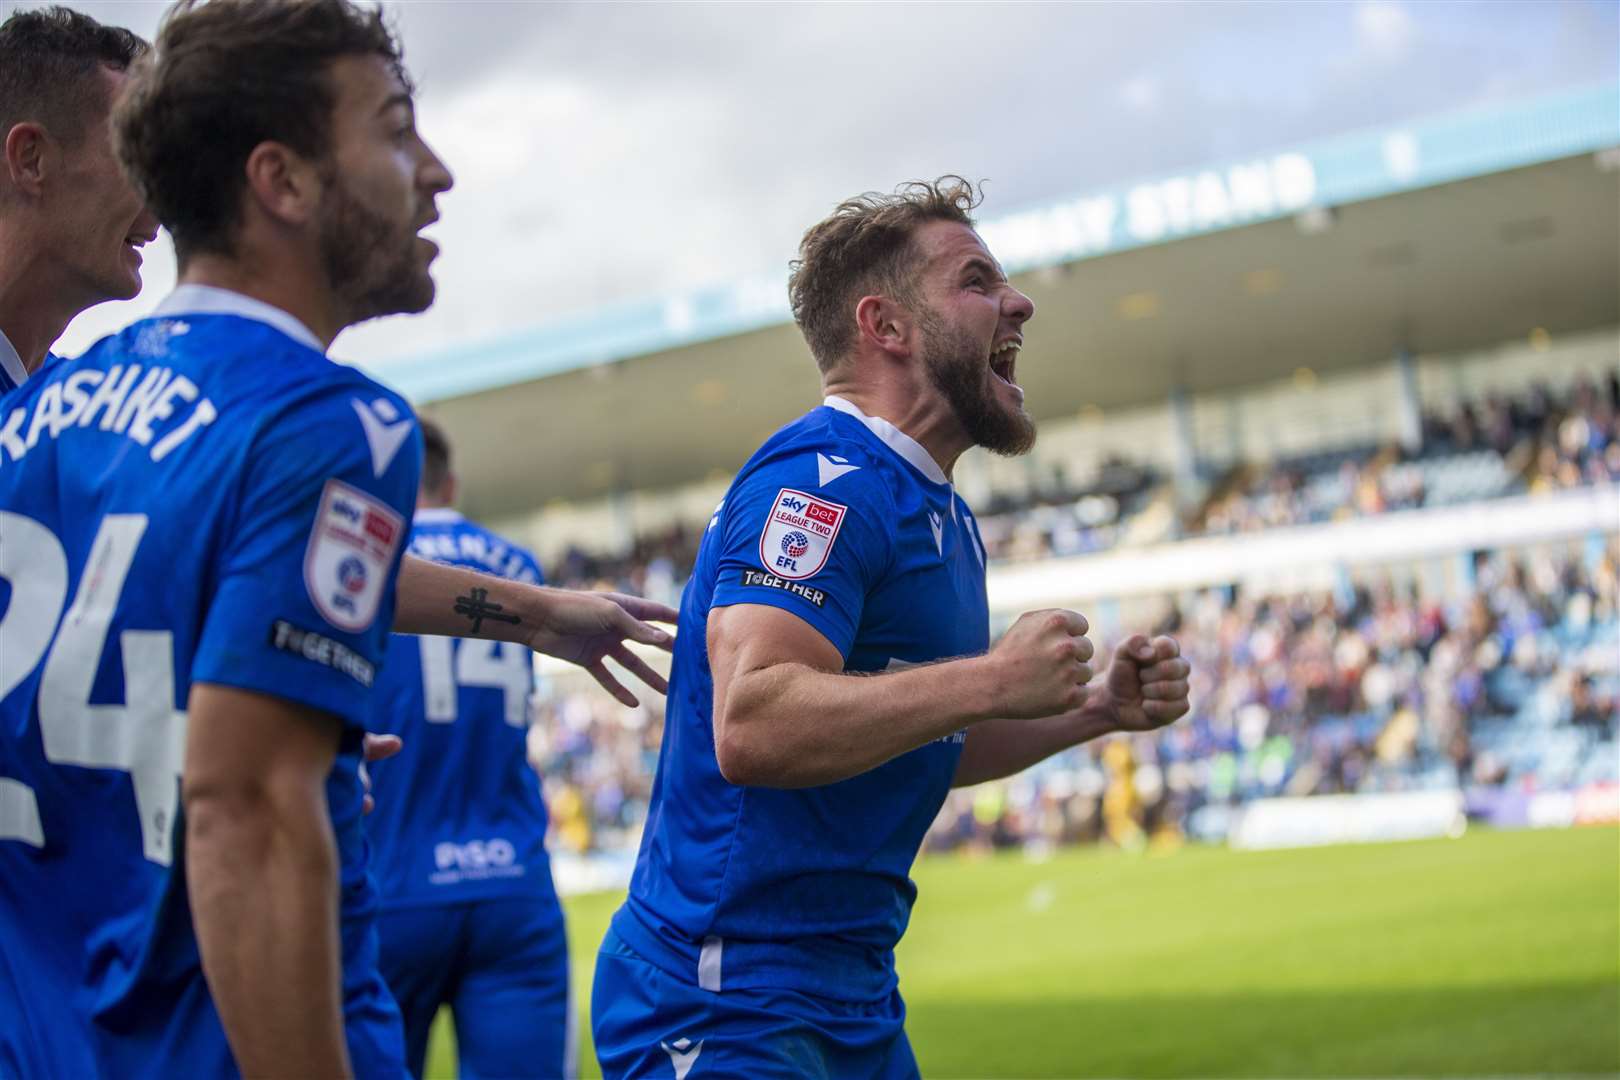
[71, 227]
[819, 711]
[470, 917]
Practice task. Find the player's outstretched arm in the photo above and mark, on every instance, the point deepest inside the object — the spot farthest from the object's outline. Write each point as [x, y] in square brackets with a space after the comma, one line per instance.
[262, 872]
[1144, 688]
[786, 715]
[582, 628]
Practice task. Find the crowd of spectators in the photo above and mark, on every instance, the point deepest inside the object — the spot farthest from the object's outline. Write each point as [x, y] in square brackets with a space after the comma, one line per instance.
[1508, 681]
[656, 566]
[1511, 681]
[1371, 688]
[1061, 517]
[1537, 442]
[1580, 444]
[597, 759]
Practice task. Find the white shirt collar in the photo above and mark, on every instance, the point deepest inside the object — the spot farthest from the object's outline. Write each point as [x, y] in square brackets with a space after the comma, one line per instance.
[10, 362]
[892, 437]
[436, 515]
[209, 300]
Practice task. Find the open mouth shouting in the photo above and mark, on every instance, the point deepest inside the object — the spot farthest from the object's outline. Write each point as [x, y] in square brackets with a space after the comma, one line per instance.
[431, 244]
[1003, 361]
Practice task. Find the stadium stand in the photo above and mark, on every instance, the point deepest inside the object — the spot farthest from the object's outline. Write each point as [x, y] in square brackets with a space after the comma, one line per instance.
[1377, 687]
[1344, 447]
[1543, 440]
[1484, 673]
[1381, 685]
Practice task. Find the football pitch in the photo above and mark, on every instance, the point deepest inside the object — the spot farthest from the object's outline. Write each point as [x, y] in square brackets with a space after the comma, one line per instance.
[1496, 954]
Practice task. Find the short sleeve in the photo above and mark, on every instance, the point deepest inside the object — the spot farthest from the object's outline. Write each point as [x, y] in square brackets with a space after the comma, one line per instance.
[308, 566]
[814, 552]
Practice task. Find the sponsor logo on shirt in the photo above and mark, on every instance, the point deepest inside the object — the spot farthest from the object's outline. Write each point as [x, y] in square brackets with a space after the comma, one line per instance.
[322, 650]
[385, 431]
[771, 581]
[683, 1054]
[351, 548]
[475, 860]
[352, 575]
[799, 534]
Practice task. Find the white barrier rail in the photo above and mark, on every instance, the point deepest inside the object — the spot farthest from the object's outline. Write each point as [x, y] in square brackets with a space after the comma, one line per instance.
[1275, 553]
[1348, 819]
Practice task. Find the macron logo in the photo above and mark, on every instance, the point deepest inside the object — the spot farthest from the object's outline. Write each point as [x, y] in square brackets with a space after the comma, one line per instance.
[831, 468]
[938, 528]
[683, 1055]
[385, 431]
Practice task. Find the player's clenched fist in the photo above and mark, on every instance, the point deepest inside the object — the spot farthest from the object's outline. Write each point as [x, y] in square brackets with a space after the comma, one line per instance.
[1145, 686]
[1041, 665]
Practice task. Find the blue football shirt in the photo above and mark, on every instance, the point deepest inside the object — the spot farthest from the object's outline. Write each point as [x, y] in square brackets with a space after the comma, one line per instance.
[203, 497]
[847, 523]
[459, 814]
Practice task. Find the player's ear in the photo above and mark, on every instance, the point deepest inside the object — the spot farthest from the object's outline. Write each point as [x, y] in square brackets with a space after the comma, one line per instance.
[452, 488]
[27, 150]
[283, 183]
[884, 324]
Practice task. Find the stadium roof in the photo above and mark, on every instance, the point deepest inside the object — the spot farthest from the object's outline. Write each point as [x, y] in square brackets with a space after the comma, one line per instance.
[1454, 232]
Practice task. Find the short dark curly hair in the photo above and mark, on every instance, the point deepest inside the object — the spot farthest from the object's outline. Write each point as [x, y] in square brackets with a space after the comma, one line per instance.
[225, 76]
[49, 60]
[865, 247]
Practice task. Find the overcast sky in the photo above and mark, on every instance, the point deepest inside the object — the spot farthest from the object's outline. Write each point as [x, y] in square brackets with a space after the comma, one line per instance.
[604, 152]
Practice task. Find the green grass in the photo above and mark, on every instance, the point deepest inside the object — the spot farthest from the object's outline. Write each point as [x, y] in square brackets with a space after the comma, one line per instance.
[1495, 954]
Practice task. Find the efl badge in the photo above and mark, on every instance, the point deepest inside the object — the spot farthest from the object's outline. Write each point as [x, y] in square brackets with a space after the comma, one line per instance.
[350, 552]
[799, 534]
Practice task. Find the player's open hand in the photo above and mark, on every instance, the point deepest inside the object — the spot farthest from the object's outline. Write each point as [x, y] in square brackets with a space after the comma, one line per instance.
[587, 628]
[1145, 686]
[1042, 664]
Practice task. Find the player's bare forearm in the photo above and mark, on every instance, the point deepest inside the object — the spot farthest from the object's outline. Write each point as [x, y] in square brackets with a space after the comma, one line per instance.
[262, 874]
[579, 627]
[454, 602]
[786, 715]
[793, 726]
[1003, 747]
[1144, 688]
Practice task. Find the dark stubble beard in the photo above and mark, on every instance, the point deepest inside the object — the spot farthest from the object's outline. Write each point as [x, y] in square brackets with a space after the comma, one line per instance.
[956, 365]
[370, 262]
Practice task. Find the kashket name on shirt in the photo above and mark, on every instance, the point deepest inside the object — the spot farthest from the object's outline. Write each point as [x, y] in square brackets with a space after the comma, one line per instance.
[128, 400]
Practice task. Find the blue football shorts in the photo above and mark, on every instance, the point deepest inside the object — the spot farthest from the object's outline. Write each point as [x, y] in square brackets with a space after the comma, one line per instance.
[649, 1024]
[502, 968]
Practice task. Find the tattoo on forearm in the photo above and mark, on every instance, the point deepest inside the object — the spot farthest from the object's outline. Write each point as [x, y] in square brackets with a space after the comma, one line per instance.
[477, 607]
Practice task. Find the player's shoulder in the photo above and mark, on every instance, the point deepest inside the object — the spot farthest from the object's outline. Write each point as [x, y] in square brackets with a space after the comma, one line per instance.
[821, 454]
[340, 391]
